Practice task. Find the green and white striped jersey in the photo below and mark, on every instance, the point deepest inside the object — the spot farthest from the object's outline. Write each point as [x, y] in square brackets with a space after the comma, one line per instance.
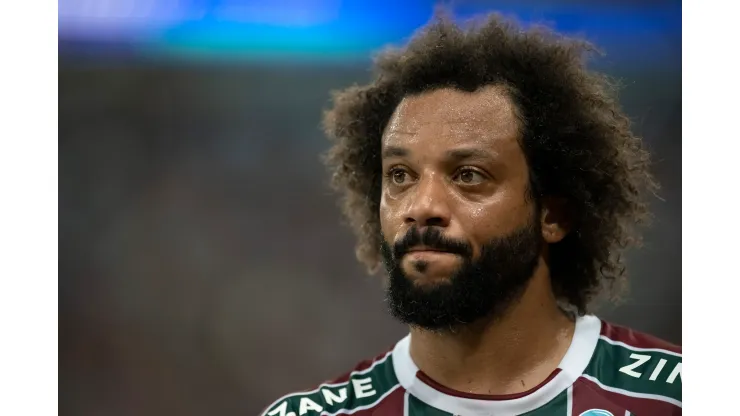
[607, 370]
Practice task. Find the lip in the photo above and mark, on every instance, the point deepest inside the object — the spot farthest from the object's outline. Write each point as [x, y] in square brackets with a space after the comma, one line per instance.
[424, 249]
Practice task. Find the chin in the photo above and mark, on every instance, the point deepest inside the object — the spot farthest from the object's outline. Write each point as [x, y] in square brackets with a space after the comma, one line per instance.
[428, 277]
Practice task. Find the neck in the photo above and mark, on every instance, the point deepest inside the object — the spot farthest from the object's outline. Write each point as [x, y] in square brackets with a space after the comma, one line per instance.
[506, 355]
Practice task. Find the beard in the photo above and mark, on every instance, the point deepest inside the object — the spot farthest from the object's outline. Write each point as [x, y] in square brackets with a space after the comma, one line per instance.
[482, 287]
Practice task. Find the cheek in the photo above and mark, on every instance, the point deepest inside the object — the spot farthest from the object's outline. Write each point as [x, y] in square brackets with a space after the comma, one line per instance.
[386, 215]
[497, 217]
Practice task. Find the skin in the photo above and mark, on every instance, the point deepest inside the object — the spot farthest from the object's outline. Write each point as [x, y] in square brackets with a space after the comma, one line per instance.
[452, 159]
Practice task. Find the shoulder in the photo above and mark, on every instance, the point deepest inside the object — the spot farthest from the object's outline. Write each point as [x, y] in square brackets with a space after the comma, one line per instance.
[365, 386]
[636, 364]
[628, 337]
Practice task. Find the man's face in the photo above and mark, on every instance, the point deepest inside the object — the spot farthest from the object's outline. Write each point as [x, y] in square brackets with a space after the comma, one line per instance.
[461, 238]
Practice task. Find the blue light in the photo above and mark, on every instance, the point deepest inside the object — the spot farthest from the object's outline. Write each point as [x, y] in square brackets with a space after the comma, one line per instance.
[324, 29]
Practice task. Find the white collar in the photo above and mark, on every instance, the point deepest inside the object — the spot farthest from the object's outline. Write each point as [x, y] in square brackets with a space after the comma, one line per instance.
[571, 367]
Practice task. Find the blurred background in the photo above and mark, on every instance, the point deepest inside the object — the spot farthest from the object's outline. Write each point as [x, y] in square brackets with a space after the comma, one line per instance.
[203, 266]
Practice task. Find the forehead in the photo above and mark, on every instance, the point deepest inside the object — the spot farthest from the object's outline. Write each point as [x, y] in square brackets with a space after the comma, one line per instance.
[447, 117]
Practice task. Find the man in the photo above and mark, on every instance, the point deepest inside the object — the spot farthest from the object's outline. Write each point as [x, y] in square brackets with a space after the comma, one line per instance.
[498, 182]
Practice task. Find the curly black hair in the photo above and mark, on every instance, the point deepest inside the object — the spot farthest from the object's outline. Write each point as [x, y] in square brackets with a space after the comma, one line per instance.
[577, 140]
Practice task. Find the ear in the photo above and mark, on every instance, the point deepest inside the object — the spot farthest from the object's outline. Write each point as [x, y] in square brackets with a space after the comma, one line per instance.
[554, 219]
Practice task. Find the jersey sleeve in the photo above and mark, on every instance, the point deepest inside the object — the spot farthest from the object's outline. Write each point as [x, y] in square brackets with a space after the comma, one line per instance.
[362, 388]
[638, 370]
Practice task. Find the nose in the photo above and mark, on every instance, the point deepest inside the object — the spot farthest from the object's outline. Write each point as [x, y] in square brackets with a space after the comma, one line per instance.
[428, 204]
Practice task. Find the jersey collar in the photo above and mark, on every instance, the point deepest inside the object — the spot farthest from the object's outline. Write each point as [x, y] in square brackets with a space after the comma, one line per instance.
[582, 347]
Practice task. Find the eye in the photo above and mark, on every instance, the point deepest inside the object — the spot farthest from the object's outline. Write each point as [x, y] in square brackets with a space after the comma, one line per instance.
[469, 176]
[398, 176]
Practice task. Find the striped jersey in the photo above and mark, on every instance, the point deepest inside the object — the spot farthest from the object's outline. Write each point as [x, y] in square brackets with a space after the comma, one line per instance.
[608, 370]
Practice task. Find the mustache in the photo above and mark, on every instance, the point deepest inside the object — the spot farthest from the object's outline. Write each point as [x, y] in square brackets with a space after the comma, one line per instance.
[433, 238]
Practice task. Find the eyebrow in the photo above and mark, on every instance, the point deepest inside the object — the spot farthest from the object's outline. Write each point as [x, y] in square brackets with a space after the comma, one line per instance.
[463, 154]
[393, 151]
